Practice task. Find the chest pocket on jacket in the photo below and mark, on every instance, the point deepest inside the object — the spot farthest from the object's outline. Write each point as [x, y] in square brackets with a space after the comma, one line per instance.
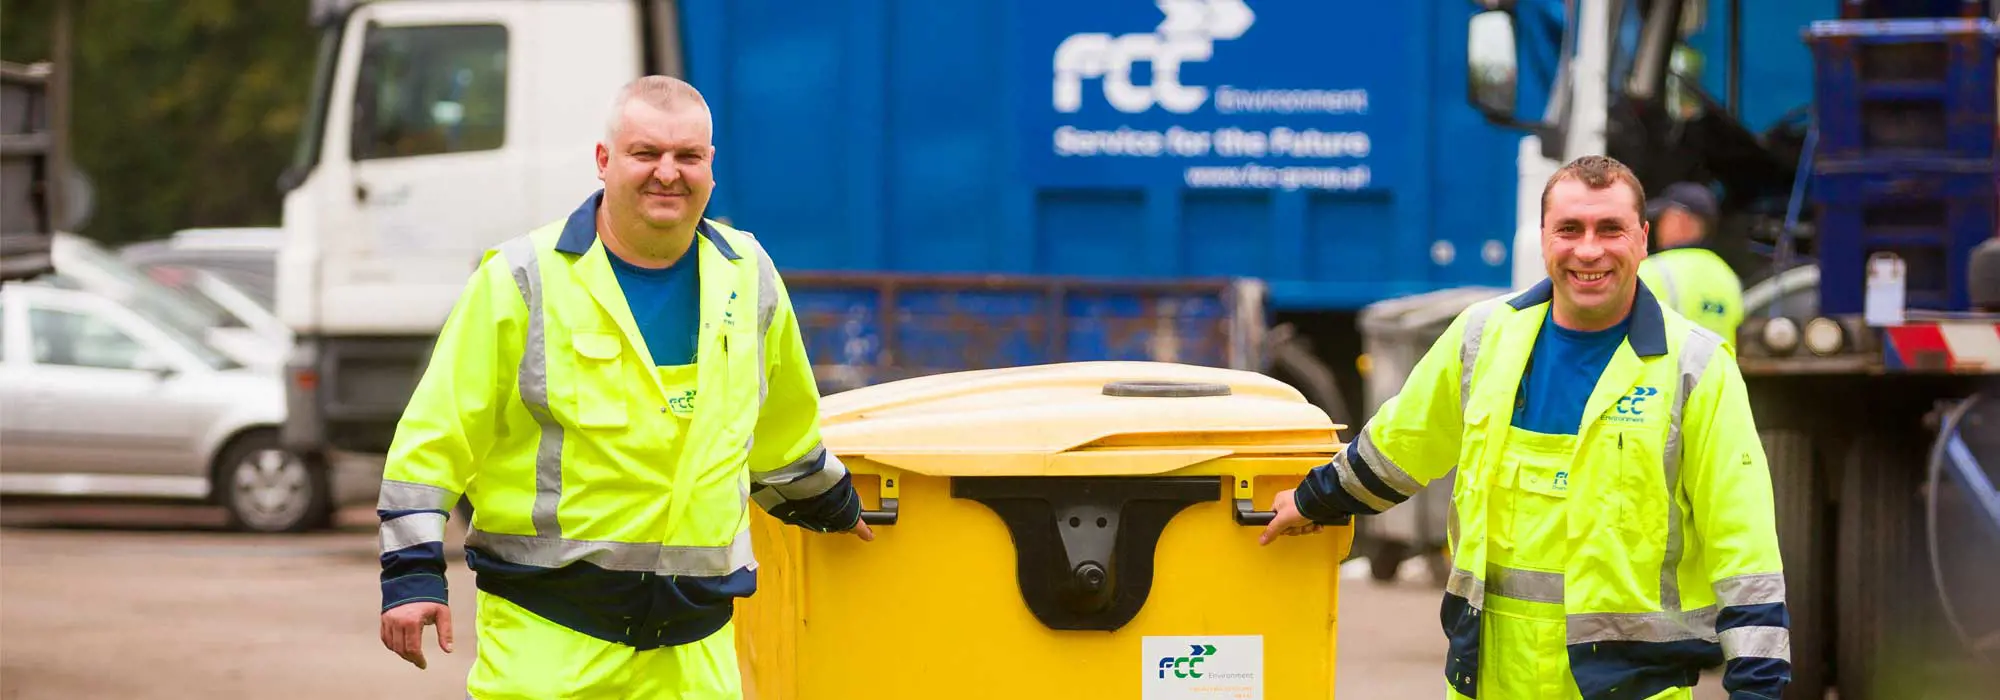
[600, 391]
[1640, 490]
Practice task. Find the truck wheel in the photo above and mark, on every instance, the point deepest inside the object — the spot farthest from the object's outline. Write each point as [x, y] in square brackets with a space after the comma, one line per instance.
[1293, 362]
[1962, 545]
[1800, 492]
[1880, 590]
[1385, 558]
[265, 488]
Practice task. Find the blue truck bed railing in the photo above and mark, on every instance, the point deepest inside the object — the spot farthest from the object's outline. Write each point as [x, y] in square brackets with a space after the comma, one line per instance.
[868, 328]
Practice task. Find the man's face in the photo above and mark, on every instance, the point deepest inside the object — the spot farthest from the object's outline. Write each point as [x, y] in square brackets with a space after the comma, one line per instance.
[658, 169]
[1593, 240]
[1677, 228]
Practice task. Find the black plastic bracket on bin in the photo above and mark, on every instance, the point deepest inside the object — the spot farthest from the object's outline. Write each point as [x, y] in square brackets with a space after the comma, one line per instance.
[885, 516]
[1084, 546]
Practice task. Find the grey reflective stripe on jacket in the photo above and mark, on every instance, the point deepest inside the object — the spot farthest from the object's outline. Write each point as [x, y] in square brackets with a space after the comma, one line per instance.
[1754, 641]
[1468, 358]
[1667, 280]
[410, 530]
[1700, 346]
[534, 378]
[814, 472]
[1468, 348]
[651, 557]
[767, 310]
[1378, 465]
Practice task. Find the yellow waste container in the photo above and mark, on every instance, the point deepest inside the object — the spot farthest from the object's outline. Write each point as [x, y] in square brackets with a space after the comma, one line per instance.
[1083, 530]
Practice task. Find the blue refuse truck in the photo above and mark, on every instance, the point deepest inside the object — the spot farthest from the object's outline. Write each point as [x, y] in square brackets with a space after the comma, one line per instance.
[946, 185]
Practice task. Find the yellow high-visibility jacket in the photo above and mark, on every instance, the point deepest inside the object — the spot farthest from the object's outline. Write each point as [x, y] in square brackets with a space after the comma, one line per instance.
[594, 506]
[1672, 563]
[1698, 284]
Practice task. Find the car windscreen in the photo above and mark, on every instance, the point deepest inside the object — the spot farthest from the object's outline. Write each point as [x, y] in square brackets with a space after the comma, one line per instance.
[190, 338]
[134, 289]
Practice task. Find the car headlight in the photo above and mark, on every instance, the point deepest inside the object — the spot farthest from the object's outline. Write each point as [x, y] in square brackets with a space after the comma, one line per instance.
[1781, 335]
[1823, 336]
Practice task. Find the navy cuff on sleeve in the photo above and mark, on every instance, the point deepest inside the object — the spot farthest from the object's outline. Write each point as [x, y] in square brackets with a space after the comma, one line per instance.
[836, 510]
[413, 573]
[411, 588]
[1312, 504]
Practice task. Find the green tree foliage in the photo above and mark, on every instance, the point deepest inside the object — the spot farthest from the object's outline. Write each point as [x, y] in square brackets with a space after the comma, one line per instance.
[184, 112]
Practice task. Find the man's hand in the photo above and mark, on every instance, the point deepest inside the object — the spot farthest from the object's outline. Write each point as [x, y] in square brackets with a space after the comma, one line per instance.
[1288, 520]
[862, 530]
[403, 629]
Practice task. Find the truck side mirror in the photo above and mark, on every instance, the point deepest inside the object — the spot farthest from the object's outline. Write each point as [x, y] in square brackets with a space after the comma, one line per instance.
[1491, 66]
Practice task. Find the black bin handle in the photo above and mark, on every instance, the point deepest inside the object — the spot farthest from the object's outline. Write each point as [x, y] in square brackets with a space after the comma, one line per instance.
[885, 516]
[1248, 515]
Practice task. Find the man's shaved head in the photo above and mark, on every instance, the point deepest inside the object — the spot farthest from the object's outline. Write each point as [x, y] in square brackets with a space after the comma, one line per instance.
[664, 93]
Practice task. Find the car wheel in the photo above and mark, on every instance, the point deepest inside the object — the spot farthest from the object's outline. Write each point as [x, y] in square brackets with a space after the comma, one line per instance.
[265, 488]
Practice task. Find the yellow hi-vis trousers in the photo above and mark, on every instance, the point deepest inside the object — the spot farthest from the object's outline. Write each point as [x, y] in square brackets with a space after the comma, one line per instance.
[523, 656]
[1523, 650]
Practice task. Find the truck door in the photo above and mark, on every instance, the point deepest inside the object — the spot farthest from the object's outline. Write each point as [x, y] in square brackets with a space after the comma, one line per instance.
[436, 150]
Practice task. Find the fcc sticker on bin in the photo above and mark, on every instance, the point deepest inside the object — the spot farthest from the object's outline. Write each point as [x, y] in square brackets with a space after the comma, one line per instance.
[1203, 668]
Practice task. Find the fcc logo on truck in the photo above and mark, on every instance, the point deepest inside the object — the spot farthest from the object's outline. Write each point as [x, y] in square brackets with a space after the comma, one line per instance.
[1187, 35]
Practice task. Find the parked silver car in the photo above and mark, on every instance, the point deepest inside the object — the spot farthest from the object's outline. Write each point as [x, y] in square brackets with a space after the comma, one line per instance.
[256, 341]
[246, 257]
[233, 268]
[102, 400]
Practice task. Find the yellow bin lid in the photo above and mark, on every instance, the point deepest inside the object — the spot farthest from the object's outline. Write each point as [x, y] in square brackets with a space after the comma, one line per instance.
[1074, 419]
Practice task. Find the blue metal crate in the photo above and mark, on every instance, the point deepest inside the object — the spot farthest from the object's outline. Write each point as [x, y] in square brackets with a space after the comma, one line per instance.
[1932, 219]
[1908, 87]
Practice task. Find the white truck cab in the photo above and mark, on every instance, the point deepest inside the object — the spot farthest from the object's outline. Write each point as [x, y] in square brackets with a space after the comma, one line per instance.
[437, 130]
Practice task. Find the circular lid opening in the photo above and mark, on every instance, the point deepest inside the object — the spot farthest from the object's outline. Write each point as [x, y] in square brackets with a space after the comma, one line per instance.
[1165, 389]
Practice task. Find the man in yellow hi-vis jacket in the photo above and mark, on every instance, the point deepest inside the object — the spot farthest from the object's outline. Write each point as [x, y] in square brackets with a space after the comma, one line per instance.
[610, 392]
[1692, 279]
[1612, 525]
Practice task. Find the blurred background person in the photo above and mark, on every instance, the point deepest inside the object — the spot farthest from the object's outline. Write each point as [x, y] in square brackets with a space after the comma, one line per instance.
[1685, 273]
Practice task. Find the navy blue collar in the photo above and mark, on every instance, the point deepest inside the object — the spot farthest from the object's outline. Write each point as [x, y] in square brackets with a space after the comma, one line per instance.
[1648, 332]
[580, 231]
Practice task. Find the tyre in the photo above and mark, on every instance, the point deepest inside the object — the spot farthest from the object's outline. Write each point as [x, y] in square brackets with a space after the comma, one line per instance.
[1799, 488]
[1293, 361]
[1964, 550]
[265, 488]
[1882, 604]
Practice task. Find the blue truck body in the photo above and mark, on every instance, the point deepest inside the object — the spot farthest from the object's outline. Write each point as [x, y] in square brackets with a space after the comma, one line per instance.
[1324, 149]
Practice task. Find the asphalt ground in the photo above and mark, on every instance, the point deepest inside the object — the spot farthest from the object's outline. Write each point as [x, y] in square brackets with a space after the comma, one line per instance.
[139, 602]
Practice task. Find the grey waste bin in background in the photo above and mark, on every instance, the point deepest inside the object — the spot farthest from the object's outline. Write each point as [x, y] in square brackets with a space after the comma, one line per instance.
[1395, 334]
